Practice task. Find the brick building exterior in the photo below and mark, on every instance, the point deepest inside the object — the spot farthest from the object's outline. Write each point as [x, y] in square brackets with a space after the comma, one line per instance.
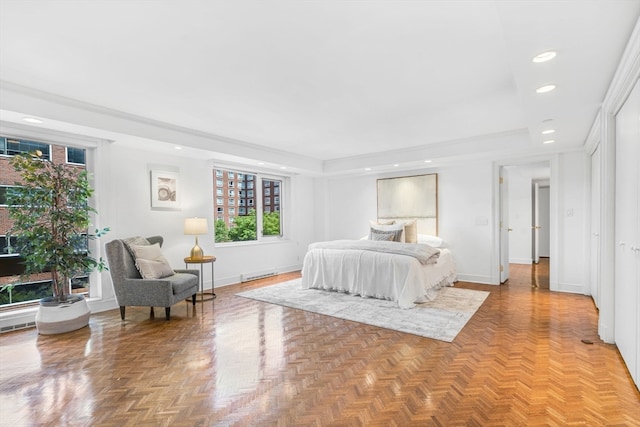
[10, 267]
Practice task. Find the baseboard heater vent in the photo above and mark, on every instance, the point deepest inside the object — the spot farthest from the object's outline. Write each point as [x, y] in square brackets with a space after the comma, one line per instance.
[17, 327]
[247, 277]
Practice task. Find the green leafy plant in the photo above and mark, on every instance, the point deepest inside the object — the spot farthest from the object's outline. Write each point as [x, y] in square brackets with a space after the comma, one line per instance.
[51, 215]
[9, 290]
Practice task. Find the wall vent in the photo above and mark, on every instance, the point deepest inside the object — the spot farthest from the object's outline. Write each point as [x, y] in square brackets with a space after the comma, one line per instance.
[247, 277]
[17, 327]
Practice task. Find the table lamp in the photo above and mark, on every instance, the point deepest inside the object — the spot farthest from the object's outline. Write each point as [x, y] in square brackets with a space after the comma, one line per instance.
[195, 226]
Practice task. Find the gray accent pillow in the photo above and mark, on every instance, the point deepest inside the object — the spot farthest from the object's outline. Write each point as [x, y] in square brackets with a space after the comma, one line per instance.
[388, 235]
[381, 232]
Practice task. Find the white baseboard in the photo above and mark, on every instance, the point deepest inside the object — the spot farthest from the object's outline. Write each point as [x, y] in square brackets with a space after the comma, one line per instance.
[527, 261]
[571, 288]
[475, 278]
[18, 319]
[100, 305]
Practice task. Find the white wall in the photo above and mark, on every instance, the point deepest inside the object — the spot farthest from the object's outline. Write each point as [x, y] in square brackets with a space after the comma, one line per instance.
[123, 203]
[572, 223]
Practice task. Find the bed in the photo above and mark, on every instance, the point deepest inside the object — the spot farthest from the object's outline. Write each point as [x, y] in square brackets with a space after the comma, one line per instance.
[384, 270]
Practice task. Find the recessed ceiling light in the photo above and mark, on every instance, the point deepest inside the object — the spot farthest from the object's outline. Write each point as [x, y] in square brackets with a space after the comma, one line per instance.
[31, 120]
[545, 88]
[549, 141]
[260, 163]
[544, 56]
[396, 165]
[548, 131]
[283, 167]
[428, 161]
[178, 147]
[367, 169]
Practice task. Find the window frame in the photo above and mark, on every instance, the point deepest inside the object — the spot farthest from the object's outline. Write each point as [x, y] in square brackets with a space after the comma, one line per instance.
[254, 200]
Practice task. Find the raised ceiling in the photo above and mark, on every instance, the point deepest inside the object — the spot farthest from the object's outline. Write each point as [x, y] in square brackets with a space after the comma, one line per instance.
[328, 84]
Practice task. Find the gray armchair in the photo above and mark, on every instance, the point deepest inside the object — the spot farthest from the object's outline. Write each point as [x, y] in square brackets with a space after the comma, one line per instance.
[131, 289]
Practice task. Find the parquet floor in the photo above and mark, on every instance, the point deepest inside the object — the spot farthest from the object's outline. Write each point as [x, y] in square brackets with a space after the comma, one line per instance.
[239, 362]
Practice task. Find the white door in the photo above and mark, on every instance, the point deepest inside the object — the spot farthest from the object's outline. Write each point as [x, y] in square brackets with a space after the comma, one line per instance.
[536, 222]
[594, 272]
[544, 231]
[627, 234]
[504, 226]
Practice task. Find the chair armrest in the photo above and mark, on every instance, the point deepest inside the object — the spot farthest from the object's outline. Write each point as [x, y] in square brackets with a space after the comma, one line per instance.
[194, 272]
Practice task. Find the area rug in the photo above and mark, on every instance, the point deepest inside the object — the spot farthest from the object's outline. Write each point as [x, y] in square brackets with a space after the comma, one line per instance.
[441, 319]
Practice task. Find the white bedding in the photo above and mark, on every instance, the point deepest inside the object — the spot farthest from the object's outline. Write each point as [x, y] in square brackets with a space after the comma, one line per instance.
[395, 277]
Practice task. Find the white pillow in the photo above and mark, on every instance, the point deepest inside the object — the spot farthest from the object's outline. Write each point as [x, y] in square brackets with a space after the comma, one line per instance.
[411, 231]
[433, 241]
[150, 262]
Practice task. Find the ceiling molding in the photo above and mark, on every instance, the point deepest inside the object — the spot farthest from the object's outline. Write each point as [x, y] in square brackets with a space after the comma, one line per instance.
[63, 109]
[626, 75]
[20, 131]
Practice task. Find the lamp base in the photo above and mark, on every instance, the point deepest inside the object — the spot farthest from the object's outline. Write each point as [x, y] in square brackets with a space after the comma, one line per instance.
[196, 252]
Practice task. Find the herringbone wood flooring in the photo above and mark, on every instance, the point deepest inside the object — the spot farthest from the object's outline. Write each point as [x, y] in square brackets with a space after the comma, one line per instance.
[234, 361]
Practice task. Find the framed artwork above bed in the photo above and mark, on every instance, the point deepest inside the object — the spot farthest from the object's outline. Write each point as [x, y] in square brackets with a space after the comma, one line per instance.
[408, 198]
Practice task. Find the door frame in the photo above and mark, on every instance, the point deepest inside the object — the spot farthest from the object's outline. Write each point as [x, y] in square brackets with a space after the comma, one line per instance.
[500, 250]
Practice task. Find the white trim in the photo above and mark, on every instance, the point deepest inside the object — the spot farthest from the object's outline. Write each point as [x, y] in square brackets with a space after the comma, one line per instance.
[48, 136]
[626, 74]
[624, 79]
[593, 138]
[476, 278]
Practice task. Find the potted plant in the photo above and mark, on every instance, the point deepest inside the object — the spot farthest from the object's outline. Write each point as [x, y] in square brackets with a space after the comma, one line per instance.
[51, 215]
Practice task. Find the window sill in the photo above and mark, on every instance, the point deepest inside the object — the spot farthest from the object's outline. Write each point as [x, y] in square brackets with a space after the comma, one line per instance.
[252, 242]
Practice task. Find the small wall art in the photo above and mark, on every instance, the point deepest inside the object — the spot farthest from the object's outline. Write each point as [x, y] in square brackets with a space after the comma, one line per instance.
[165, 190]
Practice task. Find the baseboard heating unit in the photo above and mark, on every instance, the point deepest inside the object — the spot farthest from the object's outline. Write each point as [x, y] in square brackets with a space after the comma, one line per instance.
[247, 277]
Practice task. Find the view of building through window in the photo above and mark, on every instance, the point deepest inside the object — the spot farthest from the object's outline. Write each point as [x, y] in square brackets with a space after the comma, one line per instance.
[243, 203]
[14, 291]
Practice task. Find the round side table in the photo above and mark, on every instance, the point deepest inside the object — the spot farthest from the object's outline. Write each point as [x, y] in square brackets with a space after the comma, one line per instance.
[207, 259]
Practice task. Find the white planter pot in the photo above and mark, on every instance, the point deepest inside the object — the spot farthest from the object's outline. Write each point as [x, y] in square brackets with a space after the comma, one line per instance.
[57, 318]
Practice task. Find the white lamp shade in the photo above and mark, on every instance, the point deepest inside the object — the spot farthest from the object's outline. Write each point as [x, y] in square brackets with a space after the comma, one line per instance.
[195, 226]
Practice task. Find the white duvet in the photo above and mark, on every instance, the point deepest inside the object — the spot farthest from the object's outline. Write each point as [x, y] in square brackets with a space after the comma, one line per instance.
[368, 273]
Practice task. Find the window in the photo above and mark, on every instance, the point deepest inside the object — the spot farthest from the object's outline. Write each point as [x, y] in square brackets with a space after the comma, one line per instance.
[3, 194]
[15, 290]
[219, 183]
[258, 214]
[76, 155]
[11, 147]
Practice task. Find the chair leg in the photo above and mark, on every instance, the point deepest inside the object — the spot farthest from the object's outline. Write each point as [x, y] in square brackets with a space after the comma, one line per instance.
[152, 313]
[122, 307]
[193, 299]
[167, 312]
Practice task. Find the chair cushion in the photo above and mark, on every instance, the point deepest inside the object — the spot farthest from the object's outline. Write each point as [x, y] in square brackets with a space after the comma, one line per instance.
[150, 262]
[183, 281]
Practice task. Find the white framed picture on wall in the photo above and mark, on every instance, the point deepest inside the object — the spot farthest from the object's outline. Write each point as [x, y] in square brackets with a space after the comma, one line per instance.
[165, 190]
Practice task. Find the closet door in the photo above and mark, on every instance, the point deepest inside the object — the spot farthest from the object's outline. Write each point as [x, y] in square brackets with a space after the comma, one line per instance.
[627, 233]
[595, 226]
